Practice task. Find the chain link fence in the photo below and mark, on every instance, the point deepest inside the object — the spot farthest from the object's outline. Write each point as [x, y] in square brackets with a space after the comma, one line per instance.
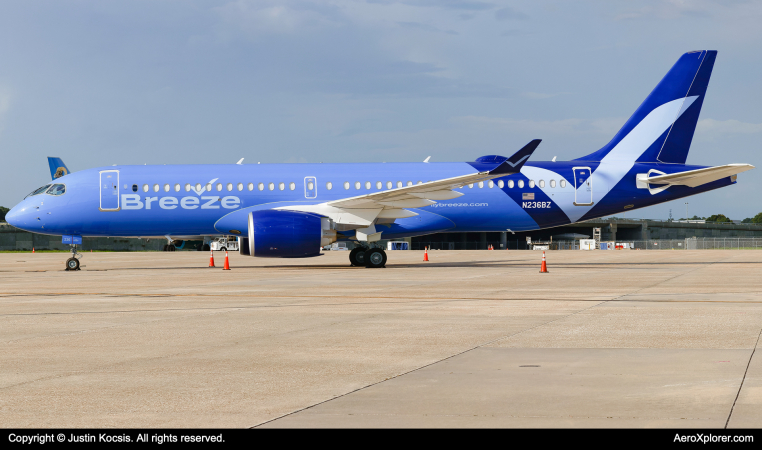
[730, 243]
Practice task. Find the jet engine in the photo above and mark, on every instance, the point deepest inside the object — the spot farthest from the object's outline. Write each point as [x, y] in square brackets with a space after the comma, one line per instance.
[286, 234]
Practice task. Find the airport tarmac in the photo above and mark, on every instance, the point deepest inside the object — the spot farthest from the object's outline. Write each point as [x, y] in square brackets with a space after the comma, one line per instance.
[470, 339]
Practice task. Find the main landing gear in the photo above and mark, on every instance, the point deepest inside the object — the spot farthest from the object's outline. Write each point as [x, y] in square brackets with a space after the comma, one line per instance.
[373, 258]
[73, 262]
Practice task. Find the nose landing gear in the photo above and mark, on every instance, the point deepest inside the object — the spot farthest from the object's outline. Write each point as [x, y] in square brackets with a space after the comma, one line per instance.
[73, 262]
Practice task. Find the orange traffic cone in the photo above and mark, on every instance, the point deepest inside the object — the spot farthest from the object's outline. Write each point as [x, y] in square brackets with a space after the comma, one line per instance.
[211, 259]
[544, 267]
[227, 264]
[32, 249]
[490, 247]
[425, 253]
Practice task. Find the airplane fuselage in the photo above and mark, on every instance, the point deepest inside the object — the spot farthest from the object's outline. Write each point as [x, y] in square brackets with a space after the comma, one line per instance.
[189, 200]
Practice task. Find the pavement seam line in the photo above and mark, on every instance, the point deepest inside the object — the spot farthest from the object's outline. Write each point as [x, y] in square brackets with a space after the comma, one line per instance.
[738, 394]
[474, 348]
[415, 369]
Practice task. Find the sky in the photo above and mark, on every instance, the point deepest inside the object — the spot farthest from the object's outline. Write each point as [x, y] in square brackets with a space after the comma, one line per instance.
[100, 82]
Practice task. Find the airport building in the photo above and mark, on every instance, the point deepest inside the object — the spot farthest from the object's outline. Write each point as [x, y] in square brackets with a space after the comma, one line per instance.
[612, 230]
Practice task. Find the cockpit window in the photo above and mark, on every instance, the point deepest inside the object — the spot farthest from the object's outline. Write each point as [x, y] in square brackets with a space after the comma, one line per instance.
[39, 191]
[57, 189]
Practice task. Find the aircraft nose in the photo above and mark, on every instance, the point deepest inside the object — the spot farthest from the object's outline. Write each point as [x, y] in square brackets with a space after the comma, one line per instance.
[19, 216]
[12, 216]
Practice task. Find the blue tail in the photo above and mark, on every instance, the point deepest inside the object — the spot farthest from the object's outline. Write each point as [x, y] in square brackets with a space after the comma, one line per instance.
[662, 127]
[57, 167]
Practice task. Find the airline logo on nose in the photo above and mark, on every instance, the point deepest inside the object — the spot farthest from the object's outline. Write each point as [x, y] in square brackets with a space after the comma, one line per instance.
[134, 201]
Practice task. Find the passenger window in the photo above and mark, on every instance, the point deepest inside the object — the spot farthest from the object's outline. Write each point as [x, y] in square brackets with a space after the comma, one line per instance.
[145, 188]
[271, 186]
[510, 184]
[563, 183]
[177, 188]
[471, 186]
[166, 188]
[542, 183]
[292, 186]
[281, 186]
[481, 184]
[251, 186]
[379, 185]
[198, 187]
[261, 186]
[357, 185]
[389, 184]
[134, 188]
[409, 183]
[531, 183]
[419, 182]
[500, 184]
[346, 185]
[399, 184]
[240, 186]
[367, 185]
[521, 184]
[552, 183]
[187, 187]
[329, 185]
[491, 184]
[230, 187]
[219, 187]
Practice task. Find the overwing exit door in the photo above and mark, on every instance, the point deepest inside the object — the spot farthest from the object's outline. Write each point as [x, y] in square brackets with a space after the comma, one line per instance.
[583, 186]
[310, 187]
[109, 187]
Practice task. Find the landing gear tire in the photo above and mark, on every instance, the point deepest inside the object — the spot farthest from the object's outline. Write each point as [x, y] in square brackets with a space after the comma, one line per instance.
[357, 256]
[172, 248]
[375, 258]
[72, 264]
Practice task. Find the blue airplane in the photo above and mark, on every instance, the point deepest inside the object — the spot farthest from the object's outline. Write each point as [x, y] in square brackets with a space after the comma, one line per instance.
[292, 210]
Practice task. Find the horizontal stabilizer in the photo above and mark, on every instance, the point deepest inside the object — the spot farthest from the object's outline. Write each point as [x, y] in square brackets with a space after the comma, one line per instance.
[694, 178]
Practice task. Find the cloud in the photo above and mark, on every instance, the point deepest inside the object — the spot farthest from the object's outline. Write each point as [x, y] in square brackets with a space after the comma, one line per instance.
[425, 27]
[540, 95]
[574, 126]
[508, 13]
[260, 18]
[511, 33]
[470, 5]
[731, 126]
[667, 10]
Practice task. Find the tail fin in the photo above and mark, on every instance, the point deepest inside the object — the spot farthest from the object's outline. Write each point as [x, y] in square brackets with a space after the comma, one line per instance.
[662, 127]
[57, 167]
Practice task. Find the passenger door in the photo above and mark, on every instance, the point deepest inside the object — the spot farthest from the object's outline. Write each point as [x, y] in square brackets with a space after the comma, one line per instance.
[109, 187]
[583, 186]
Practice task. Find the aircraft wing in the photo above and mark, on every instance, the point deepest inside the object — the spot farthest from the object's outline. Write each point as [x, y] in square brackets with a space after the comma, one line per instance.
[694, 178]
[363, 210]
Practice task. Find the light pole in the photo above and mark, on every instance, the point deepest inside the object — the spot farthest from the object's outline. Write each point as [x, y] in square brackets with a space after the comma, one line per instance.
[686, 211]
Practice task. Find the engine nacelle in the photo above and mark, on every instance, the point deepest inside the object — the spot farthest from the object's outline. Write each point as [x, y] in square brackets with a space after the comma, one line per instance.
[287, 234]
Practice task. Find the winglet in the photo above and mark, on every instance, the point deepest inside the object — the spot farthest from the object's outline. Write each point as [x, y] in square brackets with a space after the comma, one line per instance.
[57, 167]
[516, 162]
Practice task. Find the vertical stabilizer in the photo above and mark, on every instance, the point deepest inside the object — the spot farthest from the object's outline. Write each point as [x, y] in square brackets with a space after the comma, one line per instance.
[663, 125]
[57, 167]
